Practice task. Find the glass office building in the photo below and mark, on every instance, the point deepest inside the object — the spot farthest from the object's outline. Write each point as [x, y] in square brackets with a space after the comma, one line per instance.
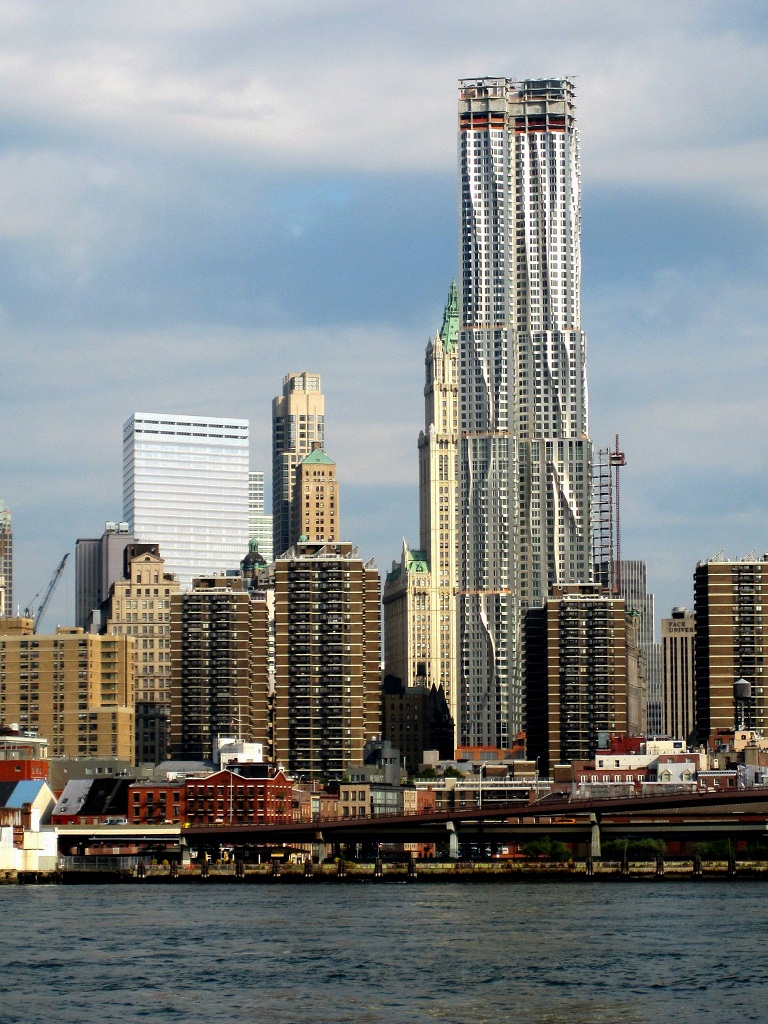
[185, 487]
[259, 523]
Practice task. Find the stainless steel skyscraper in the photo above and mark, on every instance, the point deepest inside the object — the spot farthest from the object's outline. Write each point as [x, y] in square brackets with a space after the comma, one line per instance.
[525, 455]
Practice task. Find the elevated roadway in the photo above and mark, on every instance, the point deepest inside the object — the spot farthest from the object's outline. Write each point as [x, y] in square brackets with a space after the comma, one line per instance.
[678, 816]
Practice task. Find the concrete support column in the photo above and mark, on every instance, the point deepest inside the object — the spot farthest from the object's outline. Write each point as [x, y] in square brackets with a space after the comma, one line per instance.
[453, 841]
[595, 849]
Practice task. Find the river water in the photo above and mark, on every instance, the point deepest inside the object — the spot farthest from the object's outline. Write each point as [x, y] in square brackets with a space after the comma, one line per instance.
[610, 953]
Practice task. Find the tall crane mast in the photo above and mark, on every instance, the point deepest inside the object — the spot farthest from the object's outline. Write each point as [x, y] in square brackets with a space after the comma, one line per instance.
[38, 615]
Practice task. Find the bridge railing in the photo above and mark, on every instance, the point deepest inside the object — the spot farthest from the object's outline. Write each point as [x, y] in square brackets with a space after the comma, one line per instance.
[96, 863]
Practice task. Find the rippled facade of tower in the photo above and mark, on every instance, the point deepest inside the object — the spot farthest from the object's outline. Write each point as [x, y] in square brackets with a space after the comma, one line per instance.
[525, 455]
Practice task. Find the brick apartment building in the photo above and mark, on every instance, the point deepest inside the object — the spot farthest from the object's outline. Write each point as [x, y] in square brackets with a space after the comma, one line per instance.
[243, 794]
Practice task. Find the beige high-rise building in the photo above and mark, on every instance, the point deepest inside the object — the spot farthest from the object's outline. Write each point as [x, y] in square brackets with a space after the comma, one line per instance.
[298, 426]
[438, 453]
[731, 642]
[76, 689]
[327, 627]
[140, 606]
[420, 591]
[678, 663]
[316, 499]
[585, 674]
[219, 667]
[408, 618]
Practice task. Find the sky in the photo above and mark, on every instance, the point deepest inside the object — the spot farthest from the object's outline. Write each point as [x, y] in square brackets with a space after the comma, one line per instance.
[198, 198]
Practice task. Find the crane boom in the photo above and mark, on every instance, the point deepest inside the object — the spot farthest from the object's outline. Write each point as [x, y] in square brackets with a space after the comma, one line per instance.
[49, 591]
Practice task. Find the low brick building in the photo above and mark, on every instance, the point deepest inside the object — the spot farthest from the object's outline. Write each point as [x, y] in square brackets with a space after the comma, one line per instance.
[312, 801]
[241, 794]
[23, 771]
[156, 802]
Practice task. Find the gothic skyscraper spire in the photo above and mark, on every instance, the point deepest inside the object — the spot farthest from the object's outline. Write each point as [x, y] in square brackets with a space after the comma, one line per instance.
[420, 591]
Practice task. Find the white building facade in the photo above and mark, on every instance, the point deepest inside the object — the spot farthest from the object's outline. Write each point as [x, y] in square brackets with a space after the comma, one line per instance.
[259, 523]
[185, 487]
[525, 454]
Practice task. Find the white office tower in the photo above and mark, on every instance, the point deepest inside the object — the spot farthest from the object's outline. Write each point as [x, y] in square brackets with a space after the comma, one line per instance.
[525, 457]
[185, 487]
[259, 523]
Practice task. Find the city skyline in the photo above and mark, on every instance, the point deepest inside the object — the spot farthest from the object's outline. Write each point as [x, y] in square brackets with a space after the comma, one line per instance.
[209, 246]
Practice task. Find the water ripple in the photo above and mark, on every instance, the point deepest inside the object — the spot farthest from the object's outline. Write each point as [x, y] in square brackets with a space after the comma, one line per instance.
[383, 955]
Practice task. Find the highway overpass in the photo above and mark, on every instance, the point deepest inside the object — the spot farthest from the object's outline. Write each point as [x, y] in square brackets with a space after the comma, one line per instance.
[735, 814]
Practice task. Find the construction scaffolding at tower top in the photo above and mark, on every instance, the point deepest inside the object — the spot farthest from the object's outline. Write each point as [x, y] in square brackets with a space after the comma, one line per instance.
[606, 517]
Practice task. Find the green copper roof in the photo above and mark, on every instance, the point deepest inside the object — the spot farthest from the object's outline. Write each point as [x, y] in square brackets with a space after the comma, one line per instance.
[411, 561]
[417, 561]
[317, 457]
[449, 332]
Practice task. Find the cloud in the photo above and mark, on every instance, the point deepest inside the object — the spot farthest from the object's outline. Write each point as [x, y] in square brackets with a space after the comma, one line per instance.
[369, 376]
[371, 86]
[196, 199]
[67, 471]
[677, 367]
